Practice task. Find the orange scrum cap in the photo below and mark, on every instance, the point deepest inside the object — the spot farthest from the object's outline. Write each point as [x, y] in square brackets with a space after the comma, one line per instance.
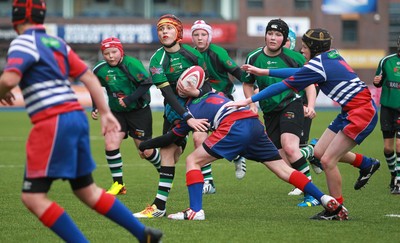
[174, 21]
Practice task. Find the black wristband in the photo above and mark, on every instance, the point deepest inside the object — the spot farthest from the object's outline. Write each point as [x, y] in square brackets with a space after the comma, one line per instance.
[187, 116]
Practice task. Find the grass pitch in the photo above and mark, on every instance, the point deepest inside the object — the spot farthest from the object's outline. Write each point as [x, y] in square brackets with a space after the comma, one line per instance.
[255, 209]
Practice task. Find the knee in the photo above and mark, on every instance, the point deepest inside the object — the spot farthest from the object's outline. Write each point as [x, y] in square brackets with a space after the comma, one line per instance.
[318, 154]
[388, 150]
[290, 151]
[29, 201]
[326, 162]
[147, 153]
[198, 138]
[25, 199]
[112, 143]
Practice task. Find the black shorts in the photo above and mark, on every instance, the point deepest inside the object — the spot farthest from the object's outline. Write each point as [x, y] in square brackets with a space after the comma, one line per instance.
[43, 184]
[390, 122]
[136, 123]
[288, 120]
[305, 136]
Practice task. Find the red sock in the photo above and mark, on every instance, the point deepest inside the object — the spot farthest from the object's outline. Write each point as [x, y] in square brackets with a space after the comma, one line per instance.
[358, 160]
[340, 199]
[194, 176]
[298, 179]
[104, 203]
[51, 215]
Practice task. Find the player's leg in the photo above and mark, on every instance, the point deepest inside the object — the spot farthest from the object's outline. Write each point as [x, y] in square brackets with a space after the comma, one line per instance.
[387, 122]
[240, 167]
[114, 157]
[206, 170]
[307, 149]
[272, 125]
[333, 209]
[290, 144]
[34, 197]
[356, 125]
[396, 189]
[169, 156]
[51, 153]
[338, 145]
[229, 140]
[194, 182]
[151, 155]
[140, 123]
[291, 127]
[97, 199]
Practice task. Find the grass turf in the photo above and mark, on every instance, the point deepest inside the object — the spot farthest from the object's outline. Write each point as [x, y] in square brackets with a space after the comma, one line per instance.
[255, 209]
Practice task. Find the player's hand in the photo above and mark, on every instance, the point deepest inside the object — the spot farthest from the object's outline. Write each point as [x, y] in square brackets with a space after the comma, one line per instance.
[121, 102]
[254, 70]
[309, 112]
[377, 79]
[8, 99]
[253, 107]
[95, 114]
[198, 125]
[187, 91]
[141, 154]
[109, 124]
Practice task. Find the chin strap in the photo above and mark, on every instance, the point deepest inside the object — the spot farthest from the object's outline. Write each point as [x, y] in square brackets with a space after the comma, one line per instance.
[171, 45]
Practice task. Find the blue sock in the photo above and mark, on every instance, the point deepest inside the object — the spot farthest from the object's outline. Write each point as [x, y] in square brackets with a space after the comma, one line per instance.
[312, 190]
[366, 162]
[121, 215]
[65, 228]
[196, 196]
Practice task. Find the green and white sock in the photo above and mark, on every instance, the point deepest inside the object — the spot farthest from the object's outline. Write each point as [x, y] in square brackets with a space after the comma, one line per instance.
[114, 161]
[155, 159]
[207, 174]
[167, 175]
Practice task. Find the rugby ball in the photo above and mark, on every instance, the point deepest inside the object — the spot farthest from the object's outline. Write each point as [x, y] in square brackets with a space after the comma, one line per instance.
[195, 75]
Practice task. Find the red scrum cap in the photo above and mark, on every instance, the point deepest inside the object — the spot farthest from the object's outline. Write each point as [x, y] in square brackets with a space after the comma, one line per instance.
[112, 42]
[28, 11]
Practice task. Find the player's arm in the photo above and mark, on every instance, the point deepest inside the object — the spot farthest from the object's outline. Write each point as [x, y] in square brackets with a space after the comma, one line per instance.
[8, 80]
[236, 72]
[266, 93]
[283, 72]
[379, 74]
[108, 122]
[159, 142]
[311, 93]
[279, 72]
[270, 91]
[141, 77]
[248, 90]
[378, 80]
[171, 99]
[139, 92]
[196, 124]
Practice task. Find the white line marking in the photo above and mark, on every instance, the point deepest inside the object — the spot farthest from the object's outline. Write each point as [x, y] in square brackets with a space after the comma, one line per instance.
[393, 215]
